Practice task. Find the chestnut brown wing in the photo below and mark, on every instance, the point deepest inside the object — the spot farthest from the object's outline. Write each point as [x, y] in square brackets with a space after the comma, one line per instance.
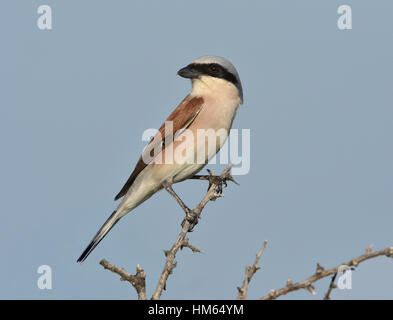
[182, 117]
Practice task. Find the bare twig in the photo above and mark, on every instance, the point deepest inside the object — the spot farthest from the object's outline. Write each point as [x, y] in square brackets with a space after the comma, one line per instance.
[322, 273]
[331, 287]
[189, 222]
[138, 280]
[250, 271]
[186, 244]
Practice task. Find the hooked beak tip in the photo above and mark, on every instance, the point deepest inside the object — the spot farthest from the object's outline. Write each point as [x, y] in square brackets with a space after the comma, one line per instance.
[188, 73]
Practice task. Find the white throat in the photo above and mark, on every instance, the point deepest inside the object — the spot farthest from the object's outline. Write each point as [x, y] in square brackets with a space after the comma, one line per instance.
[218, 88]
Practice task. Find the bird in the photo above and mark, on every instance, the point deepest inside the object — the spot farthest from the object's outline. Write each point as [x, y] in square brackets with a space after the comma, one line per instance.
[216, 93]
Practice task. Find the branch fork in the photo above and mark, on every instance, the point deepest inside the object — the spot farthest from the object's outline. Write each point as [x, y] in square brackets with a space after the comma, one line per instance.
[214, 191]
[323, 273]
[138, 281]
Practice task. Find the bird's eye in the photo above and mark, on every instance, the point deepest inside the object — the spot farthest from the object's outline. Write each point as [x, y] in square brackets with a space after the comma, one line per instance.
[213, 68]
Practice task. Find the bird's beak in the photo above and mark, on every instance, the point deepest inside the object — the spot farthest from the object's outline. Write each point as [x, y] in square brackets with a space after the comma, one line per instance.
[188, 72]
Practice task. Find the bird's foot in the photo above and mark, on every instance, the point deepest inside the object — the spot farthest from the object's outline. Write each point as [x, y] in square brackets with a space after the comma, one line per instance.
[219, 181]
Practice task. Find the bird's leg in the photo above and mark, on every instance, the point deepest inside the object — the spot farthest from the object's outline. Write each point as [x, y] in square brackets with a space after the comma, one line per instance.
[169, 189]
[191, 216]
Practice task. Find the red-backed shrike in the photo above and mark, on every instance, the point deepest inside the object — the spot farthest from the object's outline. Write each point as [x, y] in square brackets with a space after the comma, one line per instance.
[211, 106]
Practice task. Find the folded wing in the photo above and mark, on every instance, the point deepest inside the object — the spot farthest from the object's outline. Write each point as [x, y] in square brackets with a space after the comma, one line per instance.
[182, 117]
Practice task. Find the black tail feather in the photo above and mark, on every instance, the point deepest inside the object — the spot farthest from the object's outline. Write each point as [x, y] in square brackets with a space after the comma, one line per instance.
[106, 227]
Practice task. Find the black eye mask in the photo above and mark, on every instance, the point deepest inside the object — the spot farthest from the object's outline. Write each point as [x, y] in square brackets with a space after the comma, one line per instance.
[213, 70]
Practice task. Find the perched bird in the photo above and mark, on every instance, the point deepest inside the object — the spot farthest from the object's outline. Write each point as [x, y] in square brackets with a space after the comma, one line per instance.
[215, 96]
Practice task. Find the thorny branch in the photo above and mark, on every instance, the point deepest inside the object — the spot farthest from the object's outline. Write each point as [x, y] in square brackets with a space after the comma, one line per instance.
[331, 287]
[322, 273]
[190, 221]
[250, 271]
[138, 280]
[214, 191]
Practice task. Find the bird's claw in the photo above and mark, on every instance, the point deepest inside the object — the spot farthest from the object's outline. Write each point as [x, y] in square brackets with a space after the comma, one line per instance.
[219, 181]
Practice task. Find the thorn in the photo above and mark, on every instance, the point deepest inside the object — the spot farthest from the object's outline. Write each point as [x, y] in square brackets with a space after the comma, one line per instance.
[289, 283]
[369, 249]
[185, 244]
[166, 252]
[311, 289]
[230, 178]
[272, 293]
[319, 269]
[211, 173]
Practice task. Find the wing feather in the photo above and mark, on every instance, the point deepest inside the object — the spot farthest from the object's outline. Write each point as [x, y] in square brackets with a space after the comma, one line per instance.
[182, 117]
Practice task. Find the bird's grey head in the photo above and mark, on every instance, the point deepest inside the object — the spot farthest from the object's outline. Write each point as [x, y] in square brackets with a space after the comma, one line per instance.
[213, 66]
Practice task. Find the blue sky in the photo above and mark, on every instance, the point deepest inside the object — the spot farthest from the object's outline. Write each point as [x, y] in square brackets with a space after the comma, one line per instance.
[75, 101]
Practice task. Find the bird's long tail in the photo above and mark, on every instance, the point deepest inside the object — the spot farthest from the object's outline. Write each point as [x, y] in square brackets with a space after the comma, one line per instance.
[106, 227]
